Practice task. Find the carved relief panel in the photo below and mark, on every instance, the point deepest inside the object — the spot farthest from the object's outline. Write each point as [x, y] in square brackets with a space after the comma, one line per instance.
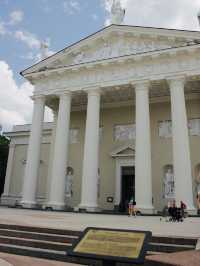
[165, 128]
[124, 132]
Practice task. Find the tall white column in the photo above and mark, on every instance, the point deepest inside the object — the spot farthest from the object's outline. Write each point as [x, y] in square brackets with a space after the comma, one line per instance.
[33, 155]
[91, 148]
[181, 150]
[9, 169]
[143, 178]
[60, 157]
[53, 135]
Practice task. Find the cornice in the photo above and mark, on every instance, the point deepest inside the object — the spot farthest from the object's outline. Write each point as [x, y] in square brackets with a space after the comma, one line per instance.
[169, 53]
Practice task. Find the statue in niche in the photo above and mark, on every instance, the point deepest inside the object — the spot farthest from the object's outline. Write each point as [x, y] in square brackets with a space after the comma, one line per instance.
[68, 182]
[168, 183]
[117, 13]
[198, 179]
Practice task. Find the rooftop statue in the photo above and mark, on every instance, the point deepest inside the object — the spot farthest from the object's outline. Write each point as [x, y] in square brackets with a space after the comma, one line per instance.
[44, 48]
[117, 12]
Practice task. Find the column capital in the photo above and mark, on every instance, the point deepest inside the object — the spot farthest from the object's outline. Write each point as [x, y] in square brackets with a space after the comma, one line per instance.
[64, 93]
[38, 97]
[175, 81]
[141, 85]
[96, 91]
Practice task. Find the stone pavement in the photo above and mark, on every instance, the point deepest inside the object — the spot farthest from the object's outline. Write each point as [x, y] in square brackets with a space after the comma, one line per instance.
[188, 258]
[4, 263]
[79, 221]
[14, 260]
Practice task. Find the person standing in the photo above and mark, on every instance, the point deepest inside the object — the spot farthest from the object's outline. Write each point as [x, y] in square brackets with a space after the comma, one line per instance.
[130, 208]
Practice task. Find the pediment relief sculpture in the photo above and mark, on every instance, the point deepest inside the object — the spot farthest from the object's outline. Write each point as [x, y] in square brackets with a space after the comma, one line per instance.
[113, 41]
[117, 49]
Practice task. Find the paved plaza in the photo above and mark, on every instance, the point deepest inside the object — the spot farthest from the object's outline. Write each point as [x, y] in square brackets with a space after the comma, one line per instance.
[79, 221]
[14, 260]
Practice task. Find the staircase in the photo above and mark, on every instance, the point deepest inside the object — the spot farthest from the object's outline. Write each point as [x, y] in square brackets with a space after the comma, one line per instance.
[54, 243]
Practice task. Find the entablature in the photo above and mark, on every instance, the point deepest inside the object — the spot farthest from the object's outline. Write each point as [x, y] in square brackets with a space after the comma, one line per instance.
[153, 66]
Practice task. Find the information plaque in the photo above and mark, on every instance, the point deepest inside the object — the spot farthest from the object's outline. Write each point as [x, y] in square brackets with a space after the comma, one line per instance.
[112, 245]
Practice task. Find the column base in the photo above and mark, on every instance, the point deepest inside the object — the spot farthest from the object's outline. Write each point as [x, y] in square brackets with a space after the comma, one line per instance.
[146, 209]
[87, 208]
[10, 200]
[28, 204]
[55, 206]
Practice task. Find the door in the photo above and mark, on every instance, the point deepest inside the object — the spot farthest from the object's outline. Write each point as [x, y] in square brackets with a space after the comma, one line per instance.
[127, 186]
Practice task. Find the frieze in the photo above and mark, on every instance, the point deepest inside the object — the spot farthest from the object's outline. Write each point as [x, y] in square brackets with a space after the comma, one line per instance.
[149, 68]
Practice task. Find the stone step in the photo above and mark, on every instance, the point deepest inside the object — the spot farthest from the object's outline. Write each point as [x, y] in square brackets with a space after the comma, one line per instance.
[37, 236]
[175, 240]
[47, 245]
[34, 243]
[71, 233]
[40, 230]
[44, 254]
[54, 244]
[169, 248]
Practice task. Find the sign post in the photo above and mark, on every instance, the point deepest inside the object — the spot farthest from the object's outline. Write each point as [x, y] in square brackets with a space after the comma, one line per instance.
[112, 245]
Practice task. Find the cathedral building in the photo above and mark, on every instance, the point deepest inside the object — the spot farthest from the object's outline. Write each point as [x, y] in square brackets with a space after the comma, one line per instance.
[126, 105]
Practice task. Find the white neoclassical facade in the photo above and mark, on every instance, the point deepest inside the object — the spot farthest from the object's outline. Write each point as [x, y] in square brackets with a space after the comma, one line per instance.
[126, 104]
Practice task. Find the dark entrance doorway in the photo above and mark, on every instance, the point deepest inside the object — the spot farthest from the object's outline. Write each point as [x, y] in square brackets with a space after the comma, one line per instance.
[127, 186]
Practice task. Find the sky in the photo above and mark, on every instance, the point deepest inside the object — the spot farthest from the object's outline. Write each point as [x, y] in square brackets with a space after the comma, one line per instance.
[25, 23]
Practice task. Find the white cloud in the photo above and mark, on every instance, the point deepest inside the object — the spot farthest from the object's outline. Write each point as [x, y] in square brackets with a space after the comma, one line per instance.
[15, 105]
[71, 7]
[16, 16]
[180, 14]
[3, 30]
[28, 38]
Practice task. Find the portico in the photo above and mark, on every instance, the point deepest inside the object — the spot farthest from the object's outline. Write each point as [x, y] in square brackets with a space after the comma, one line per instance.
[114, 67]
[143, 180]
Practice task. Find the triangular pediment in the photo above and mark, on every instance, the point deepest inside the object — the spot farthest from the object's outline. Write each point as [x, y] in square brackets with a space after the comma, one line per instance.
[115, 41]
[125, 150]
